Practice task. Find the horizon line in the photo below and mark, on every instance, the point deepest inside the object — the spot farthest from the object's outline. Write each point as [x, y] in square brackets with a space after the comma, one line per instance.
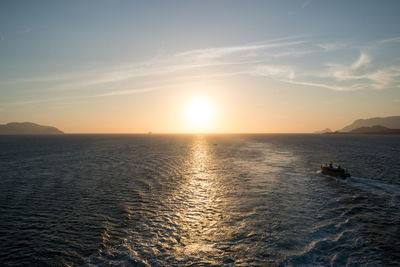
[186, 133]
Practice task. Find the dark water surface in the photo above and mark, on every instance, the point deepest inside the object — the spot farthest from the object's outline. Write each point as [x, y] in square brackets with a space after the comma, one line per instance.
[167, 200]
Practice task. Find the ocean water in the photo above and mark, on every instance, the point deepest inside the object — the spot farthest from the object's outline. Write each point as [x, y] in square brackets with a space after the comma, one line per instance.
[198, 200]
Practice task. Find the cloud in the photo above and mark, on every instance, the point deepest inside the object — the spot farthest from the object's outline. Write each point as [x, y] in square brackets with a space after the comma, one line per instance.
[390, 40]
[361, 75]
[353, 72]
[262, 59]
[293, 59]
[359, 67]
[274, 71]
[222, 60]
[385, 78]
[291, 53]
[335, 87]
[328, 47]
[221, 52]
[130, 91]
[37, 101]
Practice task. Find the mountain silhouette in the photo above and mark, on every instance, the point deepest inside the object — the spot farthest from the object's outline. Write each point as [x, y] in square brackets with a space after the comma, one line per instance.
[392, 122]
[27, 128]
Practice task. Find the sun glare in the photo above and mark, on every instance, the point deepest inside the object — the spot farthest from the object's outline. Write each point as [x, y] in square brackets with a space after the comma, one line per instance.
[199, 114]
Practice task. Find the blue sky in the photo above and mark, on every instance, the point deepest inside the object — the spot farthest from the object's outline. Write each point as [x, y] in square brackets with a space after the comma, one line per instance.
[65, 63]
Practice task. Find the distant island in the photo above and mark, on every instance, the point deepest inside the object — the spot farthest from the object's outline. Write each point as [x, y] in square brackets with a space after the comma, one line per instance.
[376, 129]
[21, 128]
[327, 130]
[392, 122]
[384, 125]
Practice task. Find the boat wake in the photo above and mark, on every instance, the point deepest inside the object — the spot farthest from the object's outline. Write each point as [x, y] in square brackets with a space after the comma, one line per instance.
[375, 186]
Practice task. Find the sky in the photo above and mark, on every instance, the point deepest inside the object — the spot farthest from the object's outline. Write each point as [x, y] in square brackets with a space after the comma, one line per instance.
[256, 66]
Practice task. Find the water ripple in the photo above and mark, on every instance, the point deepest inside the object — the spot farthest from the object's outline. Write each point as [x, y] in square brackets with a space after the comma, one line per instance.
[242, 200]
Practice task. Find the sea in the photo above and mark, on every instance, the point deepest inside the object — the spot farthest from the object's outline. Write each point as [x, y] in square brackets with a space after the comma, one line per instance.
[199, 200]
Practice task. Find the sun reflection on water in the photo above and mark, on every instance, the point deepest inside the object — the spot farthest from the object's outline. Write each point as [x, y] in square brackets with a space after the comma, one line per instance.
[200, 213]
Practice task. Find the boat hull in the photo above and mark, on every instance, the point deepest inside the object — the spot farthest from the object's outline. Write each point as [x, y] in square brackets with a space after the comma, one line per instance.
[335, 173]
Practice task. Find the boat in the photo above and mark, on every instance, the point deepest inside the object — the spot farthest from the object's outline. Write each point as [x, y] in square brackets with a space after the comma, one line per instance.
[337, 171]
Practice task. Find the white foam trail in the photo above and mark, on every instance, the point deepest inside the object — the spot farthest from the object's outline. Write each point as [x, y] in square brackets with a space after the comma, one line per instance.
[375, 186]
[372, 186]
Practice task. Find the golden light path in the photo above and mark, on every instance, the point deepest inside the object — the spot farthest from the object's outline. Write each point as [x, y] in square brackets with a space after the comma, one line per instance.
[200, 212]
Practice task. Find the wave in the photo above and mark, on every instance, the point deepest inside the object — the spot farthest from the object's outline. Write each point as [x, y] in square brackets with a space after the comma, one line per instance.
[375, 186]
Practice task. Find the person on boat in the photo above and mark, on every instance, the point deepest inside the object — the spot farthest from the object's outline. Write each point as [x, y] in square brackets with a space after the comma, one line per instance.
[330, 165]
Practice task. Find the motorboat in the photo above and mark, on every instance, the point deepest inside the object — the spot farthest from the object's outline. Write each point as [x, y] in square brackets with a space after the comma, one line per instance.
[337, 171]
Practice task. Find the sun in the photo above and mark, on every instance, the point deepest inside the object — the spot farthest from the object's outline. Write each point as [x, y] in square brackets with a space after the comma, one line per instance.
[199, 114]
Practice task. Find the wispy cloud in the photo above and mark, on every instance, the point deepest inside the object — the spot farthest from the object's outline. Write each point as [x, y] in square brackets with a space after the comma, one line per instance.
[334, 87]
[385, 78]
[241, 57]
[274, 71]
[390, 40]
[131, 91]
[356, 70]
[293, 59]
[221, 52]
[361, 75]
[332, 46]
